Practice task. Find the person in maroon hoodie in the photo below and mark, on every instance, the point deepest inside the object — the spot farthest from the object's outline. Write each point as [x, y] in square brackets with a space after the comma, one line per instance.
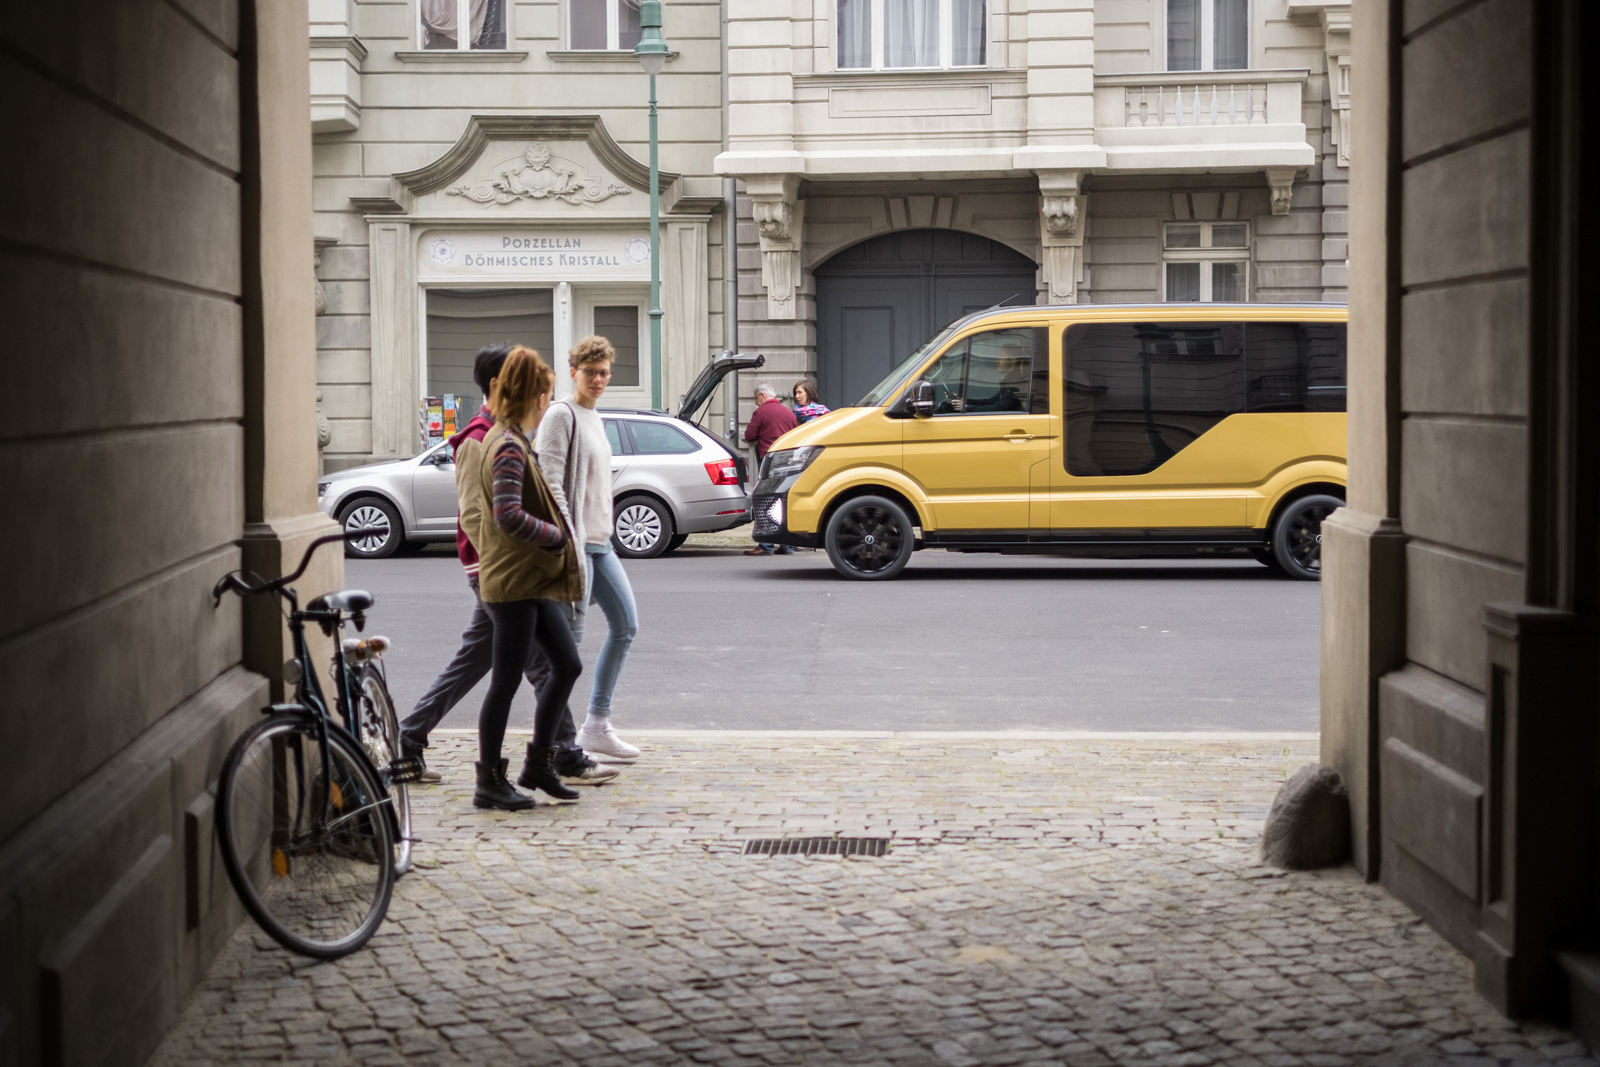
[476, 655]
[771, 420]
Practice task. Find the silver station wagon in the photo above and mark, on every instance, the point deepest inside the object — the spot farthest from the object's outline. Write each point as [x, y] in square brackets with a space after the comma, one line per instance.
[670, 478]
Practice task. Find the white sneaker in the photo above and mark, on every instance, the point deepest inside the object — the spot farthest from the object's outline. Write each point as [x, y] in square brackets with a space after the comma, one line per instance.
[605, 742]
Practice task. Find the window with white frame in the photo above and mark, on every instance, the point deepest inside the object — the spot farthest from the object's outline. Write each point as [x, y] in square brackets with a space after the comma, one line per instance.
[902, 34]
[1207, 261]
[462, 25]
[603, 24]
[1208, 34]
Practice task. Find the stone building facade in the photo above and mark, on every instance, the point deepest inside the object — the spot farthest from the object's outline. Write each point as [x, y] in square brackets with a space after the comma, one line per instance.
[1462, 582]
[494, 185]
[1055, 151]
[155, 275]
[1059, 150]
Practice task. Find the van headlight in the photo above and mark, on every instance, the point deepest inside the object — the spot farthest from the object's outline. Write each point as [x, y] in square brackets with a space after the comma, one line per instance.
[322, 489]
[790, 461]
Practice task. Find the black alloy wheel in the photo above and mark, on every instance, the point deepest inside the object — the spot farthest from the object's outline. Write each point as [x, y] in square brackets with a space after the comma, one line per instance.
[1297, 537]
[372, 512]
[869, 538]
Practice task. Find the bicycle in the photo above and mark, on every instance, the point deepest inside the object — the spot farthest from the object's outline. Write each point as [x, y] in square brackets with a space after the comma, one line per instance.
[313, 815]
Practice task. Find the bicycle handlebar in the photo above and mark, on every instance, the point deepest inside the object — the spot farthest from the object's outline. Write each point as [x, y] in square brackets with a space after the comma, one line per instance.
[234, 582]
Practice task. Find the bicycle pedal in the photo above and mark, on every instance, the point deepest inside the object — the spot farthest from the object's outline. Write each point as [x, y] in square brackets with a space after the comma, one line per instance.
[406, 770]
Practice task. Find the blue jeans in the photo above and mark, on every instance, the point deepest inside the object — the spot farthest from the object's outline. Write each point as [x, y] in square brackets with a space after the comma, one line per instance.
[609, 588]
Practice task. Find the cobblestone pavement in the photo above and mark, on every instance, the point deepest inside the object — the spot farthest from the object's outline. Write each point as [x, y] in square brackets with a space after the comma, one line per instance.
[1046, 900]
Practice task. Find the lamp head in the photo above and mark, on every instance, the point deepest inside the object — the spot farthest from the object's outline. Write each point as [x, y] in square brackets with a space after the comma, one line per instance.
[651, 51]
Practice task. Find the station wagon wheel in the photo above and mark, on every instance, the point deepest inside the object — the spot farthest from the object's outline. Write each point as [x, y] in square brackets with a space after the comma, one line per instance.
[869, 538]
[371, 512]
[643, 527]
[1297, 537]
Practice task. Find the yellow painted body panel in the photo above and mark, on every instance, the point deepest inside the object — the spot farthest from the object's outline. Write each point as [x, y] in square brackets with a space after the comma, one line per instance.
[1007, 472]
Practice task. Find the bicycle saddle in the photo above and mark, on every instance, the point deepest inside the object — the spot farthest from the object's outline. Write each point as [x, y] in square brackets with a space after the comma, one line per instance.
[345, 600]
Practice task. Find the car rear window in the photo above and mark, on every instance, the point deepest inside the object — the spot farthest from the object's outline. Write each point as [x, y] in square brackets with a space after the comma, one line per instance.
[659, 439]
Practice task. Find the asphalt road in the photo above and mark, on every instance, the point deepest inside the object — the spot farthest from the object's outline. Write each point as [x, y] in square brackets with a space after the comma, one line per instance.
[959, 642]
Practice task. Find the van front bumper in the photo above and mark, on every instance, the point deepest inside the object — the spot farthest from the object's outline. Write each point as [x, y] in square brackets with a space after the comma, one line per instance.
[771, 518]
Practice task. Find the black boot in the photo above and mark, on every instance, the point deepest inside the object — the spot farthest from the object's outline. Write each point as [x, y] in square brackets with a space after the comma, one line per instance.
[540, 773]
[495, 792]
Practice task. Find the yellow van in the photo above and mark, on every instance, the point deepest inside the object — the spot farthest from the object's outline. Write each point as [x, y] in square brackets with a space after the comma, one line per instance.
[1202, 430]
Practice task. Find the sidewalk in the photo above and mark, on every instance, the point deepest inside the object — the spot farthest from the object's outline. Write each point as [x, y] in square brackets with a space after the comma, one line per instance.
[1048, 899]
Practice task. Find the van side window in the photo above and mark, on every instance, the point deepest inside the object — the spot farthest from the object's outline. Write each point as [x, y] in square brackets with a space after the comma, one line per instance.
[1295, 366]
[994, 373]
[1137, 394]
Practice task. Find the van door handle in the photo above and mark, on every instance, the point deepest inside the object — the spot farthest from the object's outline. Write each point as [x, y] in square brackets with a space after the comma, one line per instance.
[1016, 437]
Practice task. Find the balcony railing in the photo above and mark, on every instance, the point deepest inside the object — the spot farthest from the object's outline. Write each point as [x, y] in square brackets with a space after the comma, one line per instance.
[1198, 98]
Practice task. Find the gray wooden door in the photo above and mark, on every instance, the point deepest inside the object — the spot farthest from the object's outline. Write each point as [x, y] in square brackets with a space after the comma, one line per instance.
[879, 300]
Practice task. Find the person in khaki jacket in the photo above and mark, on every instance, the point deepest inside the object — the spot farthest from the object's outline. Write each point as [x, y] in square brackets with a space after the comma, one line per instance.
[527, 568]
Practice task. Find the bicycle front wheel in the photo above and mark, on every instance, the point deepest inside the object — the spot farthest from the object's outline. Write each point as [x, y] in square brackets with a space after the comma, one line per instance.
[306, 841]
[380, 736]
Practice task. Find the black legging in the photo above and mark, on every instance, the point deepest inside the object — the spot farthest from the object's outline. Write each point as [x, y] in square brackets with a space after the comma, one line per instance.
[517, 625]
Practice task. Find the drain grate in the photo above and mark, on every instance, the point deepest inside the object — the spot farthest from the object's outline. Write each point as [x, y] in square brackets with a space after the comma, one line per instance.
[816, 846]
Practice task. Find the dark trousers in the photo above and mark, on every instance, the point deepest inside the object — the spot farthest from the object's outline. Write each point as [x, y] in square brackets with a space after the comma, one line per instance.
[472, 661]
[518, 626]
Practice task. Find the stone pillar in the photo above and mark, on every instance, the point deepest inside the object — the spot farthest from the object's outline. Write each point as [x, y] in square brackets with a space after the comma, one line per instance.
[685, 282]
[279, 336]
[395, 389]
[1363, 544]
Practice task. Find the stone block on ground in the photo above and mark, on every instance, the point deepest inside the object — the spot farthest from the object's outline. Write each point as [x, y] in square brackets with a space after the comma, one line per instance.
[1308, 825]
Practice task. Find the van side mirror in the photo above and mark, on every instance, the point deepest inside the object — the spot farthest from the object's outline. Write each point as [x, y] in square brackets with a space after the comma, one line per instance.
[922, 399]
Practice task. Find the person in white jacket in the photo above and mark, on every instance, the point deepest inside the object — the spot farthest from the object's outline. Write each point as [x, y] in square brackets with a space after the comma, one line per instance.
[575, 458]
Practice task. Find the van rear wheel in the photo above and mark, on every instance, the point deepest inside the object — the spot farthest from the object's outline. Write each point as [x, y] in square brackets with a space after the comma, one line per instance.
[1297, 537]
[869, 538]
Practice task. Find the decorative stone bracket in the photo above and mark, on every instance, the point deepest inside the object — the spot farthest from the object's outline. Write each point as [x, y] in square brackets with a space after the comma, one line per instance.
[780, 224]
[1063, 210]
[1281, 181]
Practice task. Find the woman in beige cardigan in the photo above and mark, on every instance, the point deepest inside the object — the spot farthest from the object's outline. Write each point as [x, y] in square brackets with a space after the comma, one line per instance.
[528, 566]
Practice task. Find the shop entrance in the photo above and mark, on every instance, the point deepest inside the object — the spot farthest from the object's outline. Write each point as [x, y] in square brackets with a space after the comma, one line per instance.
[461, 321]
[878, 300]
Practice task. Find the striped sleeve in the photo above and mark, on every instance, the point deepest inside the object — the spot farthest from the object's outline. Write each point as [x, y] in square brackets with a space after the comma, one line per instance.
[510, 467]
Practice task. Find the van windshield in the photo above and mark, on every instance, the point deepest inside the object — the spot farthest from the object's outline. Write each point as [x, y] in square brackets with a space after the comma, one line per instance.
[896, 378]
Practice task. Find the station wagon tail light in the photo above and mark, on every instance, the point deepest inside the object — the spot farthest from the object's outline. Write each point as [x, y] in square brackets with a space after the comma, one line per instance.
[723, 472]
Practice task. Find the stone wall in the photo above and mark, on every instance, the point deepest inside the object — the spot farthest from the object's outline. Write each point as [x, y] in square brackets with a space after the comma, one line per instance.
[159, 345]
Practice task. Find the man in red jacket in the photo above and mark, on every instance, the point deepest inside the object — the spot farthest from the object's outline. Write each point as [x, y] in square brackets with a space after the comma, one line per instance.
[771, 421]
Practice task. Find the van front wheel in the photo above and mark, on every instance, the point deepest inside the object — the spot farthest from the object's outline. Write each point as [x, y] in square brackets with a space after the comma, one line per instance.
[869, 538]
[1297, 538]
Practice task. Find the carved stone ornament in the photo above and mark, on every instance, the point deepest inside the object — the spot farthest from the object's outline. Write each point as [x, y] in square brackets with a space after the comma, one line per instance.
[1281, 182]
[537, 178]
[324, 427]
[772, 219]
[1061, 215]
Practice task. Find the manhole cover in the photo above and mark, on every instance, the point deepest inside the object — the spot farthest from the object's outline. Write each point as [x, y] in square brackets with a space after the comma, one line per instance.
[816, 846]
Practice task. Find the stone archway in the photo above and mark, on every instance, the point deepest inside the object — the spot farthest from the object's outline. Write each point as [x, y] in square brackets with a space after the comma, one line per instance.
[878, 300]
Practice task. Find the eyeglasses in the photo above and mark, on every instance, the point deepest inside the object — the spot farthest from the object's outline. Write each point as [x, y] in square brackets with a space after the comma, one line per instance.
[595, 373]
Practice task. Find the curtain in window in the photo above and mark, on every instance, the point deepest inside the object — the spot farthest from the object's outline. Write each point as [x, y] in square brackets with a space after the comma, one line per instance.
[911, 33]
[628, 29]
[1183, 281]
[1183, 34]
[1230, 45]
[587, 27]
[968, 39]
[855, 34]
[1227, 282]
[489, 24]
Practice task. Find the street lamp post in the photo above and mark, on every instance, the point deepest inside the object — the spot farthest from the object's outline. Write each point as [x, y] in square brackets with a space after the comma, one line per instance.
[651, 51]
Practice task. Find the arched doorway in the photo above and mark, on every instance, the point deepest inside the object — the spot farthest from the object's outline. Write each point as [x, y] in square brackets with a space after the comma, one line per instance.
[878, 300]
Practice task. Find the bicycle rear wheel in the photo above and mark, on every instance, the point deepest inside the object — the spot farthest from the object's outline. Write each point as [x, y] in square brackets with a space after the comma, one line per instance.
[307, 845]
[380, 736]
